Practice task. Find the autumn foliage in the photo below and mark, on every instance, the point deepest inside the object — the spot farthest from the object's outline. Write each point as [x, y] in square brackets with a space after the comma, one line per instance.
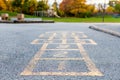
[77, 8]
[70, 8]
[2, 5]
[23, 6]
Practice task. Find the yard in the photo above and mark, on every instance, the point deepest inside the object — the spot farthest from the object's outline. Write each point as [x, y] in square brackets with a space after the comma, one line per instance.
[92, 19]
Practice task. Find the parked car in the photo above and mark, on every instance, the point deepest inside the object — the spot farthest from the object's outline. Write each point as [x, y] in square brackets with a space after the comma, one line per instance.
[116, 15]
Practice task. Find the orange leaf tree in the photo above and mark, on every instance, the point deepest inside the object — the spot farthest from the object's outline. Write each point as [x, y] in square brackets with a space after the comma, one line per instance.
[2, 5]
[110, 10]
[76, 7]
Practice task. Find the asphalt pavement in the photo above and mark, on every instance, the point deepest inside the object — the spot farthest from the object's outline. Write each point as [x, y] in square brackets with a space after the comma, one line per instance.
[59, 51]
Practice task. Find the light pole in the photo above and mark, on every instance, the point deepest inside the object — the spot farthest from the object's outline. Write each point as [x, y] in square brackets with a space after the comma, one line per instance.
[103, 15]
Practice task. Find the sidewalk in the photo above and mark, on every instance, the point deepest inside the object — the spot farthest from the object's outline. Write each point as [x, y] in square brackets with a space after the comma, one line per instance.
[112, 29]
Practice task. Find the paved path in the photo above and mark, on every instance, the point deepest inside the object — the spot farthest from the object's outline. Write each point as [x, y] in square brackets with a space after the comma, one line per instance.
[60, 51]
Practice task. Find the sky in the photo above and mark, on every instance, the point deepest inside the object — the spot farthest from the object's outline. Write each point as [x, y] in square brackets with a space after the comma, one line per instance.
[51, 1]
[88, 1]
[97, 1]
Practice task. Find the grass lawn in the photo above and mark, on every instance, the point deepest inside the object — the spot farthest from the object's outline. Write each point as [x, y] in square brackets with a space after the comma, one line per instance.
[68, 19]
[14, 14]
[92, 19]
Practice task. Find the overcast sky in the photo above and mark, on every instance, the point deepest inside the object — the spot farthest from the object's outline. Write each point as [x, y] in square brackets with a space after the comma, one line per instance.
[97, 1]
[51, 1]
[88, 1]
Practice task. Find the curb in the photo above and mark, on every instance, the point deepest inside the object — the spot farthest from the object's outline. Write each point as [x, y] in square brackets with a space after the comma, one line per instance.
[6, 21]
[16, 21]
[33, 21]
[108, 31]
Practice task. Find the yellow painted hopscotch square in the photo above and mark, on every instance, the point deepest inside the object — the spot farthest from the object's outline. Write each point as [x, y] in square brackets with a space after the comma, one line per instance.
[93, 71]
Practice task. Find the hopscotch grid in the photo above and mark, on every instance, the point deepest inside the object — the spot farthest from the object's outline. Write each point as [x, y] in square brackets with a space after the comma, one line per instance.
[91, 66]
[69, 43]
[92, 71]
[36, 58]
[66, 59]
[64, 41]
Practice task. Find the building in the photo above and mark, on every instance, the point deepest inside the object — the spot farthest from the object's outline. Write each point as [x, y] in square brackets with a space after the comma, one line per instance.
[113, 2]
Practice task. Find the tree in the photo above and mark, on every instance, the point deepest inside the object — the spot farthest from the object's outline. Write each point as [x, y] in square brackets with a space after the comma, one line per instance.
[25, 8]
[8, 4]
[77, 8]
[64, 7]
[117, 8]
[110, 10]
[100, 8]
[17, 5]
[54, 5]
[42, 6]
[32, 6]
[90, 10]
[2, 5]
[112, 3]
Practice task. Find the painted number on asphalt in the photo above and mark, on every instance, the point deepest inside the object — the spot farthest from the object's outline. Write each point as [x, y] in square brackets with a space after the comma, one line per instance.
[62, 54]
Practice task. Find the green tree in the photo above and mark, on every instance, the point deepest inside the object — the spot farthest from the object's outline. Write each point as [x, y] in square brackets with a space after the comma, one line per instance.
[32, 6]
[42, 6]
[17, 5]
[25, 7]
[117, 8]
